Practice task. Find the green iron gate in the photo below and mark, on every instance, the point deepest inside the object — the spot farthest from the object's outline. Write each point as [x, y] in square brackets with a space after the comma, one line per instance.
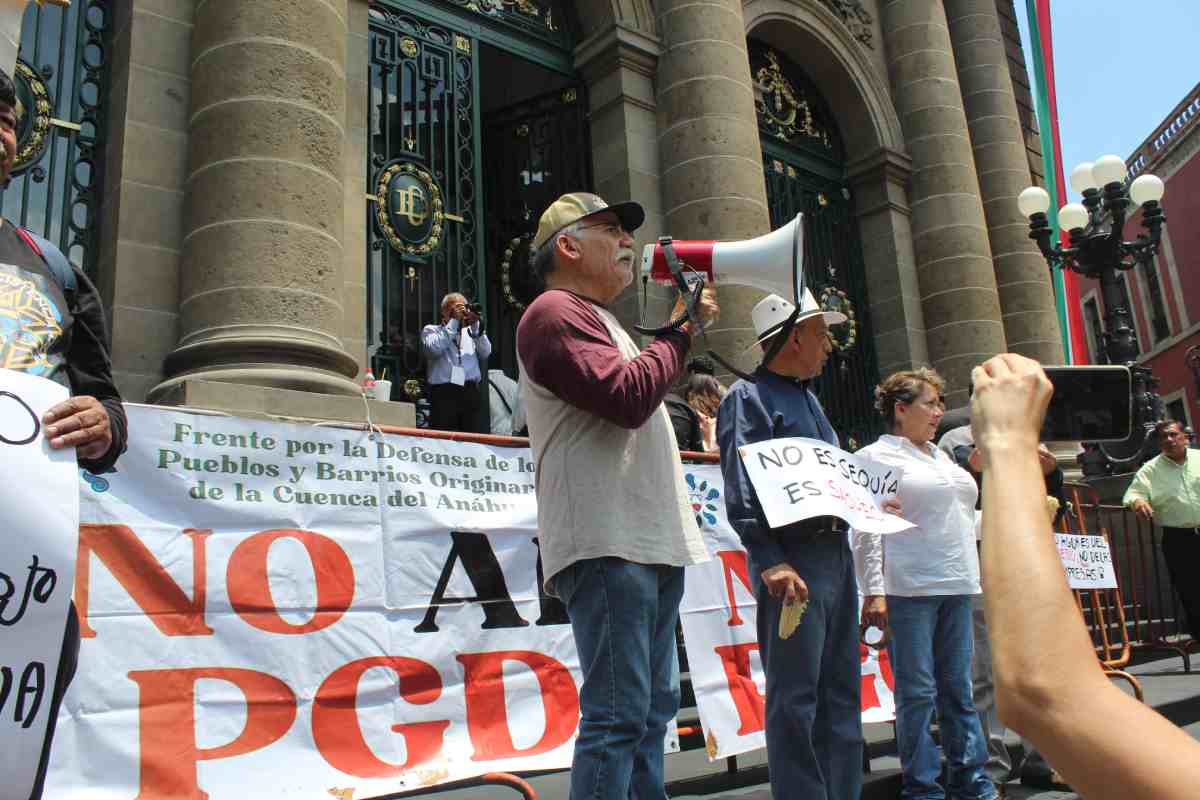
[803, 162]
[61, 79]
[423, 169]
[541, 151]
[440, 221]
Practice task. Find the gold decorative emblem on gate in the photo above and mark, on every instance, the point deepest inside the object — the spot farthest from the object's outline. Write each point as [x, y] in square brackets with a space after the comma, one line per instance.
[842, 336]
[517, 244]
[408, 46]
[409, 208]
[783, 111]
[33, 130]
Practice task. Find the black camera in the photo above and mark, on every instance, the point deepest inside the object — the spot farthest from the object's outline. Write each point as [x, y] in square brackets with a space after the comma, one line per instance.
[475, 308]
[1090, 404]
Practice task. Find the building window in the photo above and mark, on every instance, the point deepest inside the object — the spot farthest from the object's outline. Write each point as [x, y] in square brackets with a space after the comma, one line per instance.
[1158, 310]
[1095, 330]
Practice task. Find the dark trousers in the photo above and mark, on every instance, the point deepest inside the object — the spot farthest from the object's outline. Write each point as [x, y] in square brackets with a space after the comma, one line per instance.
[1181, 551]
[455, 408]
[814, 679]
[66, 672]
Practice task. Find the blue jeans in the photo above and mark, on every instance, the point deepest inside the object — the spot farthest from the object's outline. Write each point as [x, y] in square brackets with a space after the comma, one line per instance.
[814, 678]
[930, 648]
[623, 616]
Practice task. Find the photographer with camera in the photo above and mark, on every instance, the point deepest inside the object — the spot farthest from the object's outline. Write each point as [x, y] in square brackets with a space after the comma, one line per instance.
[453, 351]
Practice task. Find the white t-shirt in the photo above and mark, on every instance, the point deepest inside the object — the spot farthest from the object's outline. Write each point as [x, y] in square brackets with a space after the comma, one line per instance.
[938, 556]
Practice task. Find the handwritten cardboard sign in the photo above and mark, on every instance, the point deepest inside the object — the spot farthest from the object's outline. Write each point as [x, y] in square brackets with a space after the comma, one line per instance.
[1087, 561]
[39, 516]
[800, 478]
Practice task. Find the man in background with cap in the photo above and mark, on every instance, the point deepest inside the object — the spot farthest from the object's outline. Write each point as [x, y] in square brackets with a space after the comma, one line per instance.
[615, 525]
[814, 716]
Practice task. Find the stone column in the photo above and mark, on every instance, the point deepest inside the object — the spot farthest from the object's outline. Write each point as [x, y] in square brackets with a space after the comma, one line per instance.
[619, 62]
[1022, 279]
[261, 280]
[711, 160]
[954, 260]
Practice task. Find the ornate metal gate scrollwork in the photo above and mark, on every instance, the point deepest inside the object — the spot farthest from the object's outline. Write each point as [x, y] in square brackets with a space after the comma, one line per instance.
[803, 162]
[538, 150]
[425, 237]
[61, 81]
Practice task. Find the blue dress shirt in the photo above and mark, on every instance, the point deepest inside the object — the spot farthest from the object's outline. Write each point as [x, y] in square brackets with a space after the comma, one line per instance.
[772, 407]
[441, 346]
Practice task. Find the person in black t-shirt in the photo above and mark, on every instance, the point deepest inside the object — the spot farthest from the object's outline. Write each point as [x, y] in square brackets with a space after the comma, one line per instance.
[58, 333]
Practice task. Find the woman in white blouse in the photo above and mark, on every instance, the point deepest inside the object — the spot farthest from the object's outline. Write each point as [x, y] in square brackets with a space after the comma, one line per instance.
[919, 584]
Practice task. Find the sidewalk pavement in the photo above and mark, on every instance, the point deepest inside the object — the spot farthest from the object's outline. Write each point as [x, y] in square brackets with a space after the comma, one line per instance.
[1167, 688]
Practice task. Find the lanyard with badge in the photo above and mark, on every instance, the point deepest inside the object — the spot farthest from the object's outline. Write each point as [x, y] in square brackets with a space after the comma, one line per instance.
[463, 345]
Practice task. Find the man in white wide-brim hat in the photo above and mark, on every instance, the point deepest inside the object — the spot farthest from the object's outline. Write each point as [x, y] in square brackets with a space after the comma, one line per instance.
[814, 722]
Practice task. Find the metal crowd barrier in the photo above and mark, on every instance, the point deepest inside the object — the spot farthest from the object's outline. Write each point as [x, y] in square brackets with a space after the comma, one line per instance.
[1144, 613]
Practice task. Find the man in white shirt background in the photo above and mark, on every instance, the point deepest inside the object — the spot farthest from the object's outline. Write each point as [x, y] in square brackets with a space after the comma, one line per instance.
[453, 352]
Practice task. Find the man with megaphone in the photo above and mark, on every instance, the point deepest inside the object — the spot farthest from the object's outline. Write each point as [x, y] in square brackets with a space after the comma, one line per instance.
[614, 522]
[813, 719]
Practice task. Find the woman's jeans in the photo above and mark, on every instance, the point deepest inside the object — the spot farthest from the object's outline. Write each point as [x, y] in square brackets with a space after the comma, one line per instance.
[930, 648]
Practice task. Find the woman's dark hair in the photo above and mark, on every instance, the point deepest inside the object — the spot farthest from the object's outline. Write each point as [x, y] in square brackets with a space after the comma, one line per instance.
[699, 383]
[905, 387]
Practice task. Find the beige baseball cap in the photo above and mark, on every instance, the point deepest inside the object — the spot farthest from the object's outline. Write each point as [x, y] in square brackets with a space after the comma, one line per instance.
[571, 208]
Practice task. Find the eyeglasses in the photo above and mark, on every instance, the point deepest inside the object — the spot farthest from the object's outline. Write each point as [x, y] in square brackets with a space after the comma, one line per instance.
[614, 228]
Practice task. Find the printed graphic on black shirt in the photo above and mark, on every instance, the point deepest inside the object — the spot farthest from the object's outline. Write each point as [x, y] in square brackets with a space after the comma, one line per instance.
[31, 322]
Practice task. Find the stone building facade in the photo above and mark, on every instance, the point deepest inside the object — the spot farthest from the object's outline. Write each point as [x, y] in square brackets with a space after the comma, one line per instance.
[258, 159]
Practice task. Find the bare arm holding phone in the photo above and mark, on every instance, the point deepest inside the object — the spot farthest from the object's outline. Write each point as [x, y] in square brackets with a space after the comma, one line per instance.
[1049, 685]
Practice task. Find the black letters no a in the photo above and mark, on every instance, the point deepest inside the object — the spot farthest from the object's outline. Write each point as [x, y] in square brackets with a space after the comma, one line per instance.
[37, 423]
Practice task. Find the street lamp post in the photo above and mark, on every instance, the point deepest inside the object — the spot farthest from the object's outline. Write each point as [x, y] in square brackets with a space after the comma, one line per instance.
[1097, 250]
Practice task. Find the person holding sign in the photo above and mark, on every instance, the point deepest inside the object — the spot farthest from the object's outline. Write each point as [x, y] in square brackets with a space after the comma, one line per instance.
[1049, 685]
[814, 719]
[920, 583]
[615, 524]
[453, 351]
[1167, 490]
[52, 326]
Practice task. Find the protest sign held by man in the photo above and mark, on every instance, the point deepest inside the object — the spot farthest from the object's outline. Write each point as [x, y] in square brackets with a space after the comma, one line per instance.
[813, 725]
[52, 326]
[615, 525]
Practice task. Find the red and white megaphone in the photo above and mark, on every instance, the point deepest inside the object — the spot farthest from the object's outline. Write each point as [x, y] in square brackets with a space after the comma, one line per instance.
[772, 262]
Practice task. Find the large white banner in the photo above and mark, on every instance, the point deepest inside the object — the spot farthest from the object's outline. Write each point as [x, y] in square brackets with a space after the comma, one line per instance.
[719, 617]
[799, 478]
[40, 516]
[288, 611]
[275, 610]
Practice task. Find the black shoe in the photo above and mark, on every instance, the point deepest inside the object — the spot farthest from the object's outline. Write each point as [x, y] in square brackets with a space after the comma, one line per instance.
[1051, 781]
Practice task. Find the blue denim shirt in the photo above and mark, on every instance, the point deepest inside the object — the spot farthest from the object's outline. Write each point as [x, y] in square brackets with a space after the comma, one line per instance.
[772, 407]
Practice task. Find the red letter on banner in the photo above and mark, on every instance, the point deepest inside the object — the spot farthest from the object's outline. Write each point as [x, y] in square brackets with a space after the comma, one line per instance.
[733, 562]
[137, 569]
[487, 714]
[250, 589]
[335, 717]
[167, 725]
[751, 709]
